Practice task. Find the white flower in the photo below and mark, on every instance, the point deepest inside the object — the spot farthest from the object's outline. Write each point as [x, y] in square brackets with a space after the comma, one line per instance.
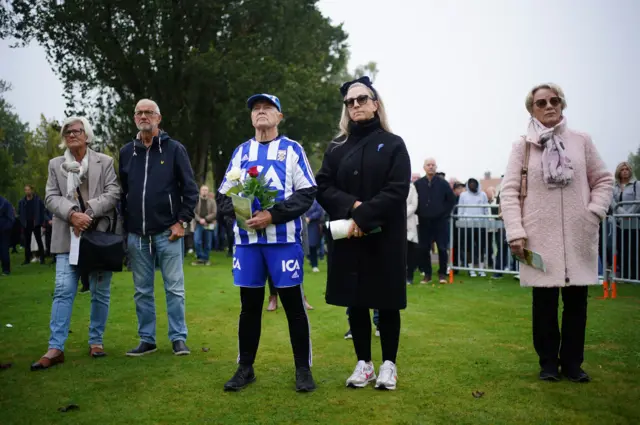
[234, 174]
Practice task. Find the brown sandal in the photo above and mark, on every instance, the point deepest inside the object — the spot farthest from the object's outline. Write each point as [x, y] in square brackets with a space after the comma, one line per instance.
[96, 352]
[46, 363]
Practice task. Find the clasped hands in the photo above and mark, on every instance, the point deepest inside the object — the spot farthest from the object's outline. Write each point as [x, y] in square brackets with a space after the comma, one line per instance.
[80, 222]
[354, 230]
[260, 220]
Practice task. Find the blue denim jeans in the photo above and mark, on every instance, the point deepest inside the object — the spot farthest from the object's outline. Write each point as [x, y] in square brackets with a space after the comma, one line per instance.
[203, 241]
[67, 277]
[144, 250]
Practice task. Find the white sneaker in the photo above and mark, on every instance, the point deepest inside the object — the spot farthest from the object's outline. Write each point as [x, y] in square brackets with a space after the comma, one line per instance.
[388, 376]
[315, 270]
[482, 274]
[362, 375]
[377, 332]
[473, 274]
[517, 277]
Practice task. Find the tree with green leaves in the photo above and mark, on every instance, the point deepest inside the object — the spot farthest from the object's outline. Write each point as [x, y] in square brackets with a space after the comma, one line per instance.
[13, 154]
[199, 63]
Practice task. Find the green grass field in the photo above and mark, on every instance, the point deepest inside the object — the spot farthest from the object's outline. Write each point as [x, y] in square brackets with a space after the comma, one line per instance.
[474, 335]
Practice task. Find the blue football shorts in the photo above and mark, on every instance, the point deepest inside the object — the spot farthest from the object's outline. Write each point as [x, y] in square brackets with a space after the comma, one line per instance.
[253, 263]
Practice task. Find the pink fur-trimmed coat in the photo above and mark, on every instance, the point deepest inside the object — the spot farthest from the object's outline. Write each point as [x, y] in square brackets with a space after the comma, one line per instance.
[561, 224]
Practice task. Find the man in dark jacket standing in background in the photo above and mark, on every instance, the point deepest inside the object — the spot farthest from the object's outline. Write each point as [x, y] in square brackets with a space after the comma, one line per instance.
[159, 195]
[435, 203]
[32, 217]
[6, 224]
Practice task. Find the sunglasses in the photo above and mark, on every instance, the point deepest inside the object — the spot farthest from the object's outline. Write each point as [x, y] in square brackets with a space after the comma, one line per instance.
[542, 103]
[362, 100]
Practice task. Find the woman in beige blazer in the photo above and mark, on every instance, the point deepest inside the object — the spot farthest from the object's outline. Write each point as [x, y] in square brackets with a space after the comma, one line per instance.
[91, 174]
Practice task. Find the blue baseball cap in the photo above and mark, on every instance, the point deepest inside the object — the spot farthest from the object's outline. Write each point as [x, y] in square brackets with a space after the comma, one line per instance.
[263, 96]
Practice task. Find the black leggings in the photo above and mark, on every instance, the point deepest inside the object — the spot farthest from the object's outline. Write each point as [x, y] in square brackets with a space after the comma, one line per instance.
[389, 326]
[251, 323]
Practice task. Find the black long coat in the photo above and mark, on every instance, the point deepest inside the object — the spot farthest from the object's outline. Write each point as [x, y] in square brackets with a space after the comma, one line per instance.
[372, 167]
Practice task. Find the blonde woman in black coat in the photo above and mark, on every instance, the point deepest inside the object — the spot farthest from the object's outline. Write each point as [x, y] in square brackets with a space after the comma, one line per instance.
[365, 176]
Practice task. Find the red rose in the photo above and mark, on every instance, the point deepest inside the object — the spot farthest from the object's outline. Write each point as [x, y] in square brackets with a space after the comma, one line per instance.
[253, 171]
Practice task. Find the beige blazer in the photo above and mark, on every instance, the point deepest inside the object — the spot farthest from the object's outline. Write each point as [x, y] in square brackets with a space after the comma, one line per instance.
[104, 193]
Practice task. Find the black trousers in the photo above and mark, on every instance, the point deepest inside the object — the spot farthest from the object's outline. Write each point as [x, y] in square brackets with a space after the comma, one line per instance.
[272, 288]
[413, 259]
[389, 326]
[431, 231]
[556, 347]
[5, 259]
[251, 323]
[47, 239]
[36, 231]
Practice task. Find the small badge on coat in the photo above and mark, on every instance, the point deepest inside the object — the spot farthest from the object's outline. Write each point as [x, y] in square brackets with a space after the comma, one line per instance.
[282, 155]
[380, 146]
[161, 162]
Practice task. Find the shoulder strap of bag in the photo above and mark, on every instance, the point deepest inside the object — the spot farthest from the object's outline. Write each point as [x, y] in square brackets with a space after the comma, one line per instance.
[82, 206]
[94, 224]
[524, 173]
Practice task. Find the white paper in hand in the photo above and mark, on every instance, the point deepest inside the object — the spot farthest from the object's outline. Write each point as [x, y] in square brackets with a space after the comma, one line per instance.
[74, 250]
[339, 228]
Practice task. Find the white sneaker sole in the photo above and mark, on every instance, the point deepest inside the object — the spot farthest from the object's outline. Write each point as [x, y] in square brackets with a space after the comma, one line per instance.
[181, 353]
[355, 385]
[385, 387]
[141, 354]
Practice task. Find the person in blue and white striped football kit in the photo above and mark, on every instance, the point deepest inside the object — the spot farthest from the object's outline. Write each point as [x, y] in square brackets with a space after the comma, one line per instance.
[274, 248]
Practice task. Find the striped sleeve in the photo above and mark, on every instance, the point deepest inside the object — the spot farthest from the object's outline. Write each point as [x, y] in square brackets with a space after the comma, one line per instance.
[235, 162]
[302, 174]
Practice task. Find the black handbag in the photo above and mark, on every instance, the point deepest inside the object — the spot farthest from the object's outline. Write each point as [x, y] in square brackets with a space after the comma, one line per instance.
[100, 251]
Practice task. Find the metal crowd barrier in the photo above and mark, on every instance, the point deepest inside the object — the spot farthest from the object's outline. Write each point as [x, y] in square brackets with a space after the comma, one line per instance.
[477, 244]
[624, 234]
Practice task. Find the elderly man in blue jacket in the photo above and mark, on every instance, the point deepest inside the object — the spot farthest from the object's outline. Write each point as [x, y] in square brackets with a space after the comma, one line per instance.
[159, 195]
[6, 224]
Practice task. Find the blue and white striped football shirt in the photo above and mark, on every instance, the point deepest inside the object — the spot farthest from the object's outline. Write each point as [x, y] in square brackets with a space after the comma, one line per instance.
[286, 169]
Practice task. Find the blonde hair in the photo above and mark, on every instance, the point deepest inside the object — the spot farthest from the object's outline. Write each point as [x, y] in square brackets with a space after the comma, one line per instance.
[528, 102]
[86, 126]
[619, 170]
[345, 119]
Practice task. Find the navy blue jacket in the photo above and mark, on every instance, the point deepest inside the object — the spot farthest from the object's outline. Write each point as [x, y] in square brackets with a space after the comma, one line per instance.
[158, 186]
[6, 215]
[435, 199]
[38, 213]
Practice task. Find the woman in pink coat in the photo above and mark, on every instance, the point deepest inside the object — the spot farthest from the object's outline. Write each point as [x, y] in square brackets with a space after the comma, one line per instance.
[568, 194]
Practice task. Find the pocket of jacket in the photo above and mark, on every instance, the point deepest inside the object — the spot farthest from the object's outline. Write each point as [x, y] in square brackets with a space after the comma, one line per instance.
[171, 204]
[592, 218]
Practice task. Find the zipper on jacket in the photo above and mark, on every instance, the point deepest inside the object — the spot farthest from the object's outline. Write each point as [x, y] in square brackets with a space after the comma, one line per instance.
[171, 204]
[144, 191]
[564, 242]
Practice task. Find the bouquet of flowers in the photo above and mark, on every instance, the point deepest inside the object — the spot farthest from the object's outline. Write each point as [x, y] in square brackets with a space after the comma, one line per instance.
[250, 196]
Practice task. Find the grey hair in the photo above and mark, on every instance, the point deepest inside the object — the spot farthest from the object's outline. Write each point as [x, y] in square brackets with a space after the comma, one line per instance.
[528, 102]
[156, 107]
[343, 135]
[88, 129]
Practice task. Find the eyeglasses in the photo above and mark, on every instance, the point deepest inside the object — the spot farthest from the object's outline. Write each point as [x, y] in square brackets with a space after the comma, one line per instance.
[542, 103]
[74, 133]
[362, 100]
[147, 113]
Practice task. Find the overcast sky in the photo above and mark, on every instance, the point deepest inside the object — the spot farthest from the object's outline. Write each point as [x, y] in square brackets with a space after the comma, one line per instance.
[454, 74]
